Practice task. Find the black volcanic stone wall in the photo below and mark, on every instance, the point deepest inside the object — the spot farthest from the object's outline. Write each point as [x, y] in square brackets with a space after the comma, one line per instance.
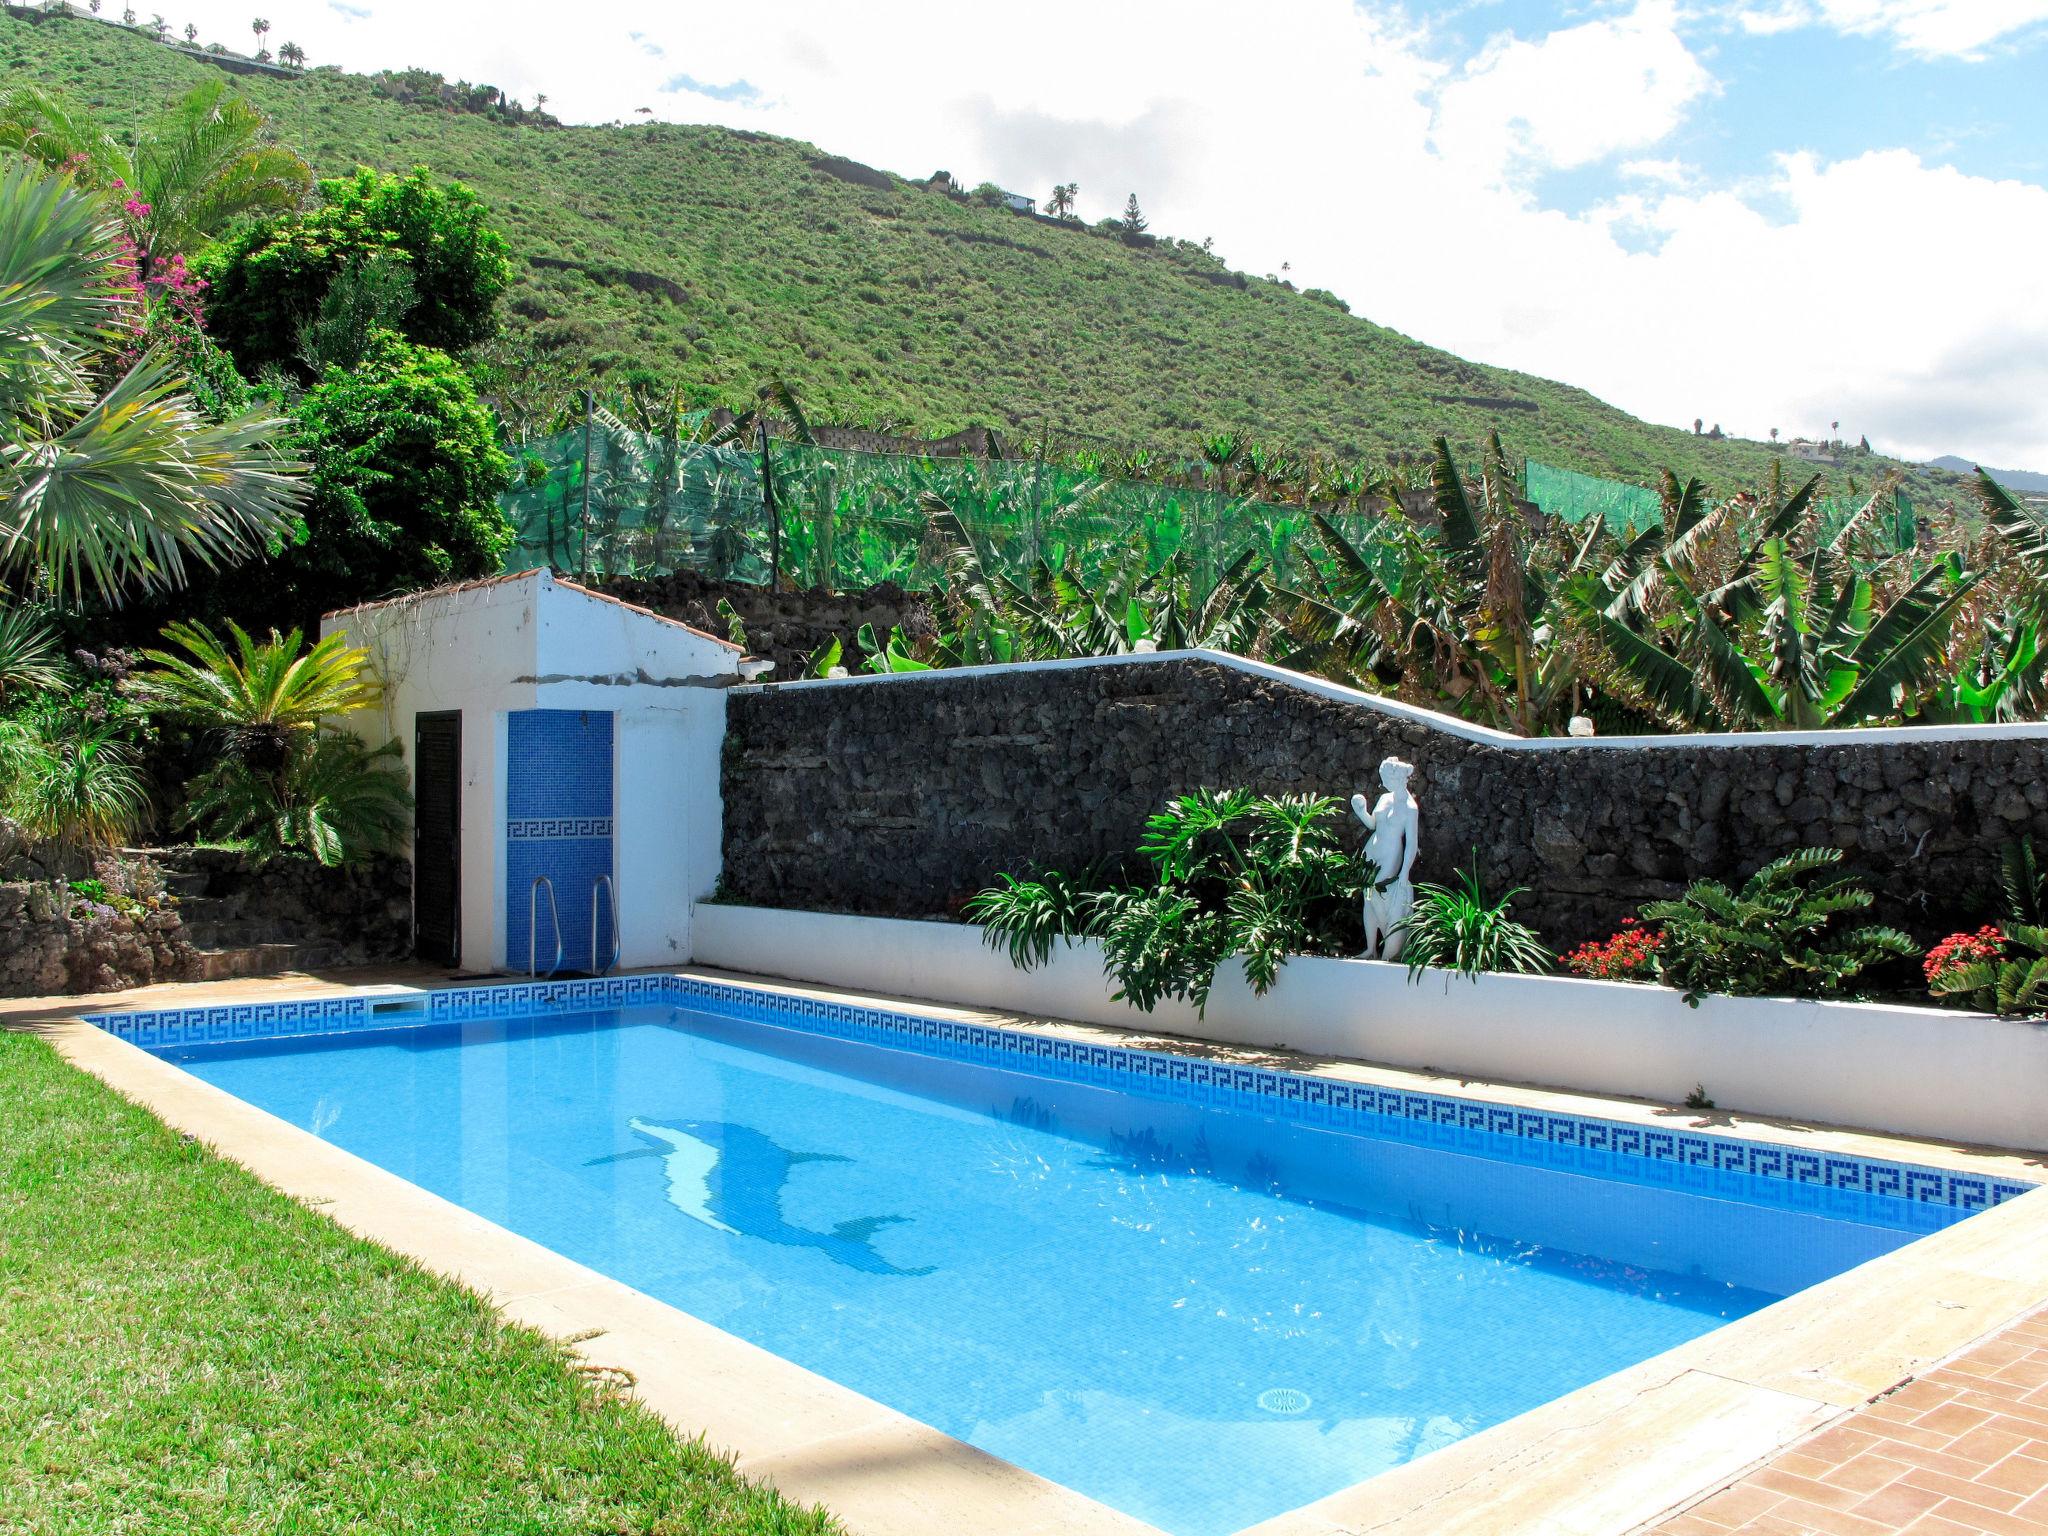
[902, 798]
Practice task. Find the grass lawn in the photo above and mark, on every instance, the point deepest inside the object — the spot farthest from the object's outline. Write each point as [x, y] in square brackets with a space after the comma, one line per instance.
[183, 1349]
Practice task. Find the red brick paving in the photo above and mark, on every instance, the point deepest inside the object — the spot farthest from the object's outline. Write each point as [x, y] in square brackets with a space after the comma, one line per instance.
[1961, 1451]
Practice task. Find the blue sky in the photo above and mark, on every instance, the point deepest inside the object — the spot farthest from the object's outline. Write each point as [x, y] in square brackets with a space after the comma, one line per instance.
[1833, 93]
[1761, 212]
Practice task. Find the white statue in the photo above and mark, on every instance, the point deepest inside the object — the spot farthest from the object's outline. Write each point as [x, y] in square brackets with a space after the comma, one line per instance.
[1392, 831]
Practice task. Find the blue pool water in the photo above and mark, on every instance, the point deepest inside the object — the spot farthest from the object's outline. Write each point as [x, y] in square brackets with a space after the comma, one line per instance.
[1201, 1316]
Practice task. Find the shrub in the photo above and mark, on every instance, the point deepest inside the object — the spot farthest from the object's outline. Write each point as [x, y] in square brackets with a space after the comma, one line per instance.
[405, 481]
[1780, 935]
[1979, 968]
[1959, 951]
[1629, 955]
[1234, 873]
[69, 780]
[268, 281]
[1027, 917]
[2001, 969]
[1457, 929]
[335, 800]
[280, 783]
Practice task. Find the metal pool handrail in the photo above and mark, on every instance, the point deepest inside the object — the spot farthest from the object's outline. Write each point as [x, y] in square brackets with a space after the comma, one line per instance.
[533, 926]
[604, 883]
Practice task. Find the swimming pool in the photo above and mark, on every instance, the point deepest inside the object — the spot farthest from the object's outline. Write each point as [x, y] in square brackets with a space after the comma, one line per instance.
[1200, 1293]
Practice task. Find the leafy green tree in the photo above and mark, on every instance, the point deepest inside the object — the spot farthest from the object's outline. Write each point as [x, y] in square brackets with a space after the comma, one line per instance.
[194, 170]
[406, 471]
[270, 280]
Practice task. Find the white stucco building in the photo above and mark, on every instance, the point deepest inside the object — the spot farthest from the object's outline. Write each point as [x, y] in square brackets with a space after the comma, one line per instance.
[537, 717]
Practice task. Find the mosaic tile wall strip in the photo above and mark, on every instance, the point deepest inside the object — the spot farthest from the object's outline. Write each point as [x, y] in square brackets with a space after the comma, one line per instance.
[155, 1028]
[1581, 1142]
[527, 998]
[559, 824]
[1696, 1162]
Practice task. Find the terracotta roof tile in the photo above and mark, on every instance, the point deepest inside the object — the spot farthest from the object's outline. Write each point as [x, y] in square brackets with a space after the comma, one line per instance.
[510, 576]
[606, 597]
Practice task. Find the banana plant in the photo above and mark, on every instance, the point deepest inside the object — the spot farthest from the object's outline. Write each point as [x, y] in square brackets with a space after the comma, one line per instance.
[2002, 676]
[891, 655]
[1816, 649]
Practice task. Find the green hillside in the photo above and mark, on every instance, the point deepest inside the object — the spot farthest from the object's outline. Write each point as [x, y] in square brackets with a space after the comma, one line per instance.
[721, 259]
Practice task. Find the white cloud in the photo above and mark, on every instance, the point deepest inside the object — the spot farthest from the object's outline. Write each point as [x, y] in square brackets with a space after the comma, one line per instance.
[1931, 28]
[1669, 173]
[1573, 97]
[1336, 137]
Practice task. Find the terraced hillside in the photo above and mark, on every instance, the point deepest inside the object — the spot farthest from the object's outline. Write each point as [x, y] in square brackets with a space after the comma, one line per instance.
[722, 259]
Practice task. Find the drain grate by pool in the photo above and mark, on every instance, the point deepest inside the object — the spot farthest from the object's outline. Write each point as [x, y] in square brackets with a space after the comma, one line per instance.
[1283, 1400]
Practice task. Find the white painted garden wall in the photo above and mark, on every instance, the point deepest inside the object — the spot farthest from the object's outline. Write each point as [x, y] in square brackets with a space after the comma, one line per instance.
[532, 642]
[1914, 1071]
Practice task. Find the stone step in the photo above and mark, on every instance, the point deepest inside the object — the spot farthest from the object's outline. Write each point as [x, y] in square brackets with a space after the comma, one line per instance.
[237, 933]
[259, 960]
[206, 909]
[186, 884]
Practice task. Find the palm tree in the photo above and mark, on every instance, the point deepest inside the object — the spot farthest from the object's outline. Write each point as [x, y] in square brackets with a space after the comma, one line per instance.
[1061, 204]
[282, 782]
[191, 33]
[260, 27]
[104, 490]
[258, 694]
[196, 168]
[159, 26]
[292, 54]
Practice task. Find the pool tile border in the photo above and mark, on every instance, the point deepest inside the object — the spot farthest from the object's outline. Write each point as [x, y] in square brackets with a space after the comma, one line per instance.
[1700, 1162]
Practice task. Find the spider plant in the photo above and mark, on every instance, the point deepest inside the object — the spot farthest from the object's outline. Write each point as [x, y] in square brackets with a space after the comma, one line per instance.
[1456, 928]
[68, 781]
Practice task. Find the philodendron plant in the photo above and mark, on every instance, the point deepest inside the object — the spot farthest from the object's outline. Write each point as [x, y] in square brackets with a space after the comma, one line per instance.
[1231, 873]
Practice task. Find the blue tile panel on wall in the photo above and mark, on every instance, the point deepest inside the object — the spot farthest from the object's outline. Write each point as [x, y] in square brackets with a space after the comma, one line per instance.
[558, 823]
[1578, 1142]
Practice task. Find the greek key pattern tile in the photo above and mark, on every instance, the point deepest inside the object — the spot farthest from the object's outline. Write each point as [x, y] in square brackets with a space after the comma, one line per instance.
[156, 1028]
[559, 826]
[1683, 1159]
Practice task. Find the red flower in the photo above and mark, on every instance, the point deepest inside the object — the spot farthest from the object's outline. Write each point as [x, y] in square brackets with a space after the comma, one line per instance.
[1962, 949]
[1630, 955]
